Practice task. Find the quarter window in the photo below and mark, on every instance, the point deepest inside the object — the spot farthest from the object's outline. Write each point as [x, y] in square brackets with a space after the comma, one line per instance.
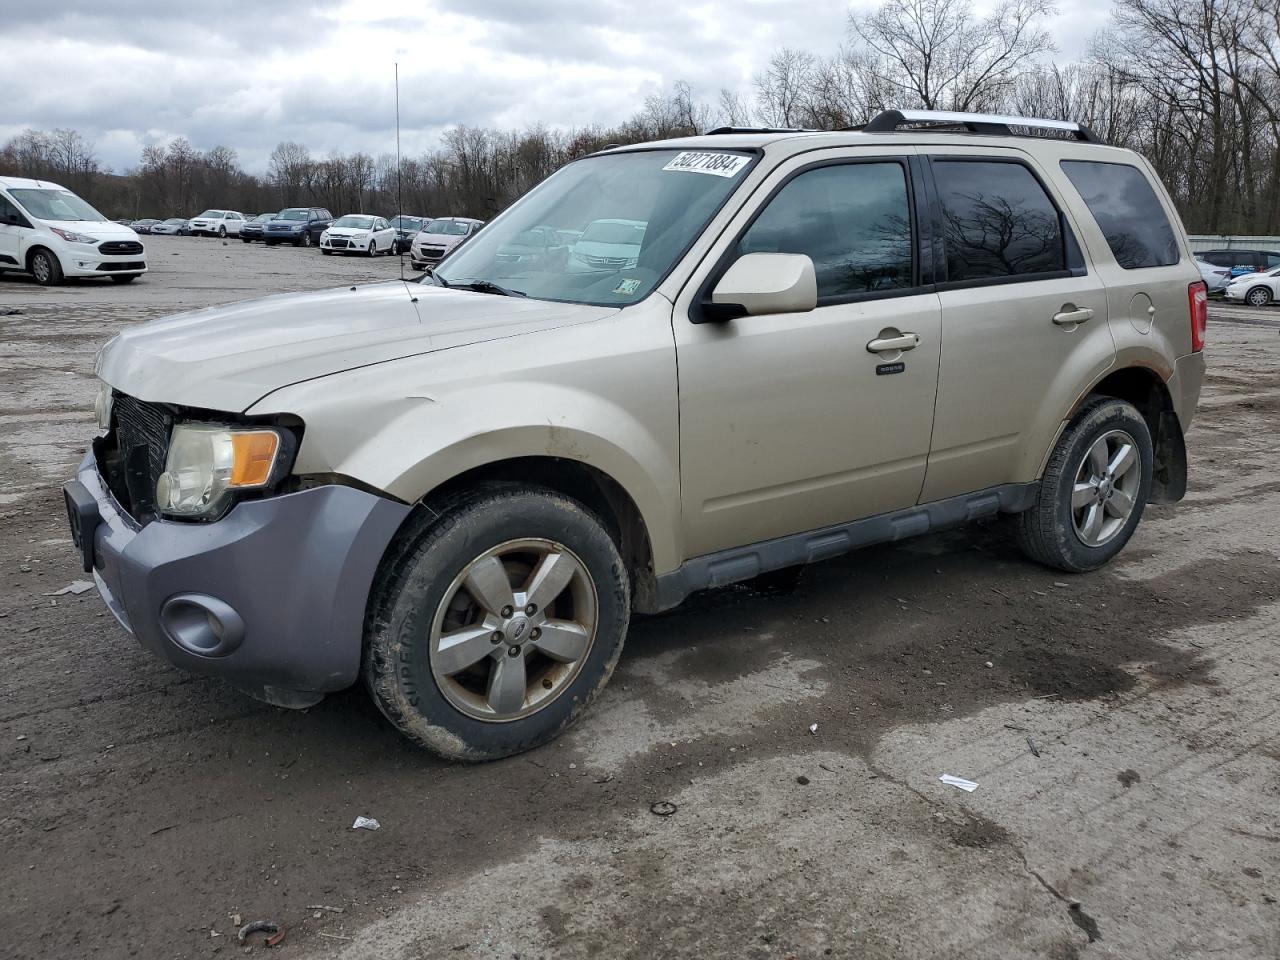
[997, 221]
[853, 220]
[1127, 211]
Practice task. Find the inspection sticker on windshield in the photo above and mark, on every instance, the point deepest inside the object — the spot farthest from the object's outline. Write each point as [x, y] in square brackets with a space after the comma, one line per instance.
[716, 164]
[627, 287]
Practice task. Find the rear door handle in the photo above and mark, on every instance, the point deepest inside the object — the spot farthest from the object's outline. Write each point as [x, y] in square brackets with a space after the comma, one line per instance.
[903, 341]
[1069, 317]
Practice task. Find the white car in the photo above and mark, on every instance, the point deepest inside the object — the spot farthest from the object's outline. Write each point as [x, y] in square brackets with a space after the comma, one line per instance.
[220, 223]
[1255, 289]
[49, 232]
[438, 238]
[358, 233]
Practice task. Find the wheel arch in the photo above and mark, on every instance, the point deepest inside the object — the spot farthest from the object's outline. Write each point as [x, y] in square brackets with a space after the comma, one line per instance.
[1146, 390]
[589, 485]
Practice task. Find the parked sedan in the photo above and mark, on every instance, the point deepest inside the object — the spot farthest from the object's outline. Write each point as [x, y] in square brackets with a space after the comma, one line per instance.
[254, 229]
[220, 223]
[1215, 278]
[406, 229]
[439, 237]
[358, 233]
[174, 226]
[143, 226]
[1255, 289]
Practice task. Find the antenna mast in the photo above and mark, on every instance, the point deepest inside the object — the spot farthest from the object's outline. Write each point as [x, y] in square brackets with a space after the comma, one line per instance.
[399, 195]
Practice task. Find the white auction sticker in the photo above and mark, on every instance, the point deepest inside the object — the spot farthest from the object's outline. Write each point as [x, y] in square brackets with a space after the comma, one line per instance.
[716, 164]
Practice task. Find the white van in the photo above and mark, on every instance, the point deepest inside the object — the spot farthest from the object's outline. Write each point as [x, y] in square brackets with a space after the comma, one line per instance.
[49, 232]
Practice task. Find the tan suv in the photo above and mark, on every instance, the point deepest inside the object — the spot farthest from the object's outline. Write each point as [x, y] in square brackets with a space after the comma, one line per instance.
[461, 488]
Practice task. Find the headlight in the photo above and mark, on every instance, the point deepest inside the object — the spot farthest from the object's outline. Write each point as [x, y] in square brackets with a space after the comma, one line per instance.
[102, 405]
[208, 464]
[72, 237]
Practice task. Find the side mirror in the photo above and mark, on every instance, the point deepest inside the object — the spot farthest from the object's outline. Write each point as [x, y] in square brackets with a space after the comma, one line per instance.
[764, 283]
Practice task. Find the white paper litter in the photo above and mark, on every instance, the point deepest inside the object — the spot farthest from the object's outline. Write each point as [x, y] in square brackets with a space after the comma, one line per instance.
[813, 728]
[75, 588]
[365, 823]
[968, 786]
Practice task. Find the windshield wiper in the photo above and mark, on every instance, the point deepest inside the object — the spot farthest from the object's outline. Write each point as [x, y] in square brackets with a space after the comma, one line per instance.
[485, 286]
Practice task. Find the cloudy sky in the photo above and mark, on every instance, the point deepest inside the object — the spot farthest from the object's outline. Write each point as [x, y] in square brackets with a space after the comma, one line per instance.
[250, 73]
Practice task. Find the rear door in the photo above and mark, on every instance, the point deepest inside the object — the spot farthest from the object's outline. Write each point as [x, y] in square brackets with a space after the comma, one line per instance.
[790, 422]
[1024, 323]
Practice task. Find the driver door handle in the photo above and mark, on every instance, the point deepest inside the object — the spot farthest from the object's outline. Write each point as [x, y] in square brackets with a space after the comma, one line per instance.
[1068, 317]
[904, 341]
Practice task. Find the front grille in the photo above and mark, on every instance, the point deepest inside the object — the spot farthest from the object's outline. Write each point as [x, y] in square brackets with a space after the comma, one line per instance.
[115, 248]
[432, 251]
[608, 261]
[337, 242]
[134, 452]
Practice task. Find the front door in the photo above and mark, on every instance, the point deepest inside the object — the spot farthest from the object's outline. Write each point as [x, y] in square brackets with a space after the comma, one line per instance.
[793, 422]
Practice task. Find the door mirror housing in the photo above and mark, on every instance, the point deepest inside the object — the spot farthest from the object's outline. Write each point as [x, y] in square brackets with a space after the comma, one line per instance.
[758, 284]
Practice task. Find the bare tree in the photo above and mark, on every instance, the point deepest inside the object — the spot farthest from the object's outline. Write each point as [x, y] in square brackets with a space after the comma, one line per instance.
[936, 54]
[781, 88]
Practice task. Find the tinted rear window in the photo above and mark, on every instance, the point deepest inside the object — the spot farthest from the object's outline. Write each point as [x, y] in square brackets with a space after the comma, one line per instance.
[997, 221]
[1128, 212]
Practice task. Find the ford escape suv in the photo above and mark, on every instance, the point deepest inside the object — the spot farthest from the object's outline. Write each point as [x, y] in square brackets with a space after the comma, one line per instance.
[459, 489]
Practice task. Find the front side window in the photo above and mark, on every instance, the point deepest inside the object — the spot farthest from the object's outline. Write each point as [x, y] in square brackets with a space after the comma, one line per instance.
[997, 221]
[9, 213]
[1127, 212]
[620, 222]
[46, 204]
[852, 220]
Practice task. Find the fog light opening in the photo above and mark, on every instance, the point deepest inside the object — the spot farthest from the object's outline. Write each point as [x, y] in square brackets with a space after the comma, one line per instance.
[202, 625]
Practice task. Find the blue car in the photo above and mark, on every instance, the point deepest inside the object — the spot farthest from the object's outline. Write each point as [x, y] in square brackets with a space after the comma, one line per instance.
[300, 226]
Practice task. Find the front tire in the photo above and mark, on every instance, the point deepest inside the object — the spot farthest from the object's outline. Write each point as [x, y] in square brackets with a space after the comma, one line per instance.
[491, 628]
[1258, 297]
[46, 268]
[222, 233]
[1094, 490]
[306, 239]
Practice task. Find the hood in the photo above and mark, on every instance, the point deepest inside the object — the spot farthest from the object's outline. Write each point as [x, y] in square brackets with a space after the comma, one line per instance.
[348, 231]
[100, 229]
[227, 358]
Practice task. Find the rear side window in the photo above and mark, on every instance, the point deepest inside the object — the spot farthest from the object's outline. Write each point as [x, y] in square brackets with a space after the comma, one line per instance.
[997, 221]
[853, 220]
[1127, 211]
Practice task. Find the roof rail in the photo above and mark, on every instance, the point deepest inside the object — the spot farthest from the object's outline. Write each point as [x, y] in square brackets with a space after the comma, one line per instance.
[890, 120]
[720, 131]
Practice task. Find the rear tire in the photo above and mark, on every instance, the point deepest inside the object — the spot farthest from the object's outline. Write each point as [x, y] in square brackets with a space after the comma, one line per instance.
[485, 698]
[1094, 490]
[45, 267]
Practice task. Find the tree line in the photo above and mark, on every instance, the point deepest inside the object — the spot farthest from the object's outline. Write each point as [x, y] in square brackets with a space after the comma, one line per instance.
[1194, 85]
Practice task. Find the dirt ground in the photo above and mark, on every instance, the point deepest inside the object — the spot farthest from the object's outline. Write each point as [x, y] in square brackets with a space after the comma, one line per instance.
[1124, 729]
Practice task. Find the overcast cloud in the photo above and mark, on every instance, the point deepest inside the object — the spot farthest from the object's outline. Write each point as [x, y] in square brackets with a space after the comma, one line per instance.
[250, 73]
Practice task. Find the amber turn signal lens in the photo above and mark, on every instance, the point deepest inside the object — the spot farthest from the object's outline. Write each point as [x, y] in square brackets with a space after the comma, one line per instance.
[255, 453]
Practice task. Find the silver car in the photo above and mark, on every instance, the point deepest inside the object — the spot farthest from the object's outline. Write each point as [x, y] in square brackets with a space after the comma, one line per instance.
[458, 490]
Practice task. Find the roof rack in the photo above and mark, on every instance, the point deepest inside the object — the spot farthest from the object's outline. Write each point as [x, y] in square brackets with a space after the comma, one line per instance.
[721, 131]
[890, 120]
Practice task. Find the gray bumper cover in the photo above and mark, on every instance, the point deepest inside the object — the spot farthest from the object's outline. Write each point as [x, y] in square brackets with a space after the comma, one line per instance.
[296, 569]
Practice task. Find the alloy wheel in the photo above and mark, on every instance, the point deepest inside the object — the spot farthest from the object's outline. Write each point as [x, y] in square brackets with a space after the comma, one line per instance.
[1106, 488]
[1259, 297]
[513, 629]
[40, 267]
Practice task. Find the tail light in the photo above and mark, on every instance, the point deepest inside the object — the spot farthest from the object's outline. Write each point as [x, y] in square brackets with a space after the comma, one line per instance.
[1198, 304]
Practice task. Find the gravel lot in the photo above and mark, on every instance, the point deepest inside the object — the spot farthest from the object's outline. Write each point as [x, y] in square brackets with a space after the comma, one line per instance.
[1123, 726]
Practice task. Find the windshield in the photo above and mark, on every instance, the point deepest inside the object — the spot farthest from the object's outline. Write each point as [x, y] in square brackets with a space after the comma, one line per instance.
[264, 217]
[178, 220]
[293, 214]
[45, 204]
[360, 223]
[407, 223]
[212, 214]
[613, 225]
[447, 228]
